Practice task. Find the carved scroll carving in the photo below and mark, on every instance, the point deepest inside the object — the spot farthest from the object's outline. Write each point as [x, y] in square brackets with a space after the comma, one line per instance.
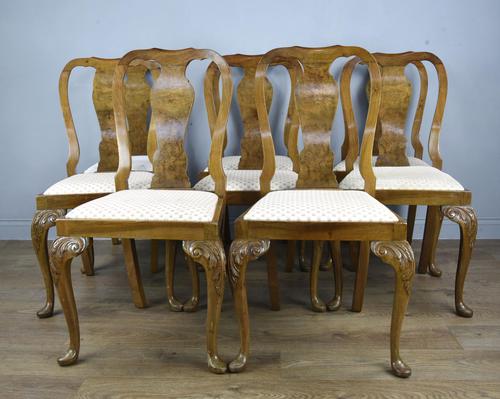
[400, 256]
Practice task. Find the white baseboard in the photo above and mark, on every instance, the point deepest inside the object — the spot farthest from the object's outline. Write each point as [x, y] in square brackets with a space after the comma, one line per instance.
[489, 228]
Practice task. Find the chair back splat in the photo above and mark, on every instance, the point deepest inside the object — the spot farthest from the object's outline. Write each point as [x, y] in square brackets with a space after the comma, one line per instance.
[172, 97]
[316, 97]
[251, 144]
[137, 100]
[390, 140]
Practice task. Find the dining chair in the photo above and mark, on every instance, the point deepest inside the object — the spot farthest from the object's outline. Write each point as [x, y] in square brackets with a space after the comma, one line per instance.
[170, 210]
[413, 184]
[98, 180]
[393, 115]
[316, 210]
[243, 171]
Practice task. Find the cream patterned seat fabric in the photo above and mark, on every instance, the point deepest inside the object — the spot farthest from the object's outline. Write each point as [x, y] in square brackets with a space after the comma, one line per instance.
[248, 180]
[319, 206]
[231, 163]
[140, 163]
[404, 178]
[93, 183]
[150, 205]
[340, 167]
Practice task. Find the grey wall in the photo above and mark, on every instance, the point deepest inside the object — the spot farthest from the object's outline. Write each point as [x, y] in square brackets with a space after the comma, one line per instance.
[37, 38]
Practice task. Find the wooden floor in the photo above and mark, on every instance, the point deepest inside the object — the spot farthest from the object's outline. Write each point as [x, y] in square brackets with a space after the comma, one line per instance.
[155, 353]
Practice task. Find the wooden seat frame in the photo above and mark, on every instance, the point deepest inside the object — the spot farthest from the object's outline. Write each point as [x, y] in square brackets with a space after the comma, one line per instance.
[172, 97]
[51, 207]
[455, 205]
[316, 98]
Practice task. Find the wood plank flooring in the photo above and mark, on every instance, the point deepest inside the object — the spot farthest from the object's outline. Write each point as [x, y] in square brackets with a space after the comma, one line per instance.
[154, 353]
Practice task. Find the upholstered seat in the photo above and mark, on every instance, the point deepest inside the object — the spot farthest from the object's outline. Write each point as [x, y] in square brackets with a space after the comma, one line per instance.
[404, 178]
[231, 162]
[140, 163]
[92, 183]
[248, 180]
[319, 206]
[150, 205]
[340, 167]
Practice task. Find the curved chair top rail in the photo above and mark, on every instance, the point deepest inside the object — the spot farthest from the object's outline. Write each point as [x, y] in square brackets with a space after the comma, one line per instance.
[316, 96]
[172, 97]
[390, 141]
[137, 110]
[251, 144]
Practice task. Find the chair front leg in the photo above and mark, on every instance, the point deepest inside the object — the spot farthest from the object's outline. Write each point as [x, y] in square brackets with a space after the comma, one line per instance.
[62, 252]
[399, 255]
[211, 255]
[466, 218]
[240, 253]
[427, 261]
[42, 221]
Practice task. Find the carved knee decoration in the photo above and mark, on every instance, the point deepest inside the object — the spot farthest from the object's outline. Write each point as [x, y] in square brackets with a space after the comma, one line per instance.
[466, 218]
[42, 221]
[211, 255]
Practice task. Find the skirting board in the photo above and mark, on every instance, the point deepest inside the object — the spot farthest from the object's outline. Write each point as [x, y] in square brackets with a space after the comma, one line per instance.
[489, 228]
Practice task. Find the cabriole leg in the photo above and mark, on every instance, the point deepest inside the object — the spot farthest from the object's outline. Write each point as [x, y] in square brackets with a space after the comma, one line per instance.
[399, 255]
[42, 221]
[466, 218]
[211, 255]
[242, 252]
[273, 278]
[62, 252]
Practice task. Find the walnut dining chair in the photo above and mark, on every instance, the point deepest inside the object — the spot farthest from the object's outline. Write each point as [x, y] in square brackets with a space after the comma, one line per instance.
[393, 114]
[243, 170]
[170, 210]
[98, 180]
[316, 210]
[407, 181]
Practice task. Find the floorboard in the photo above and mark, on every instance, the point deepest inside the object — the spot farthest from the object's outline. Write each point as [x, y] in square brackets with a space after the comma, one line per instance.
[154, 353]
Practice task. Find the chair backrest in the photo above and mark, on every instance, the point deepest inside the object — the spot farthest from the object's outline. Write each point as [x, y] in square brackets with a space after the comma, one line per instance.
[316, 97]
[137, 111]
[172, 97]
[251, 145]
[390, 140]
